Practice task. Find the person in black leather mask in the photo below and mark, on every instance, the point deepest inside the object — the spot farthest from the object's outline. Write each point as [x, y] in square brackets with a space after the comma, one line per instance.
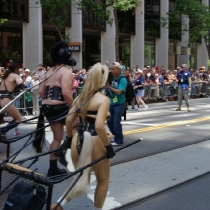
[56, 96]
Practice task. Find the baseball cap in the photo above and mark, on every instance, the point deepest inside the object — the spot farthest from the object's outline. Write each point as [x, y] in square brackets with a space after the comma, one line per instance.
[27, 70]
[184, 65]
[116, 64]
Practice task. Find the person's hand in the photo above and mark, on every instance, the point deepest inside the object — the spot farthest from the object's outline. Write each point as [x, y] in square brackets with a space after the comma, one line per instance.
[110, 153]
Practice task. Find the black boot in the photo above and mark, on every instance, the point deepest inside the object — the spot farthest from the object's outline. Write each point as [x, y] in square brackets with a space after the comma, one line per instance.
[54, 170]
[61, 154]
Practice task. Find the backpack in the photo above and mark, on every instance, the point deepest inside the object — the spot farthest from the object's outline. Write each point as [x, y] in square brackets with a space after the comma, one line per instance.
[129, 92]
[26, 197]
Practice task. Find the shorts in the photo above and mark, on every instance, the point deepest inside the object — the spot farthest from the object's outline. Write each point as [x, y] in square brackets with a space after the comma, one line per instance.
[140, 93]
[53, 112]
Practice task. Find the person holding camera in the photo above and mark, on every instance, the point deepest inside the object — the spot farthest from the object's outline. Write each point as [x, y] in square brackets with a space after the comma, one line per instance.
[35, 94]
[139, 88]
[117, 103]
[40, 71]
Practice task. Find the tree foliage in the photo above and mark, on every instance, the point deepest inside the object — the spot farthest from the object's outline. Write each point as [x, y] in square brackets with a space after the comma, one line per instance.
[2, 21]
[197, 21]
[56, 12]
[98, 7]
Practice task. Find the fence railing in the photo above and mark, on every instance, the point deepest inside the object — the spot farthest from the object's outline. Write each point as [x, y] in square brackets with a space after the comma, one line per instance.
[153, 93]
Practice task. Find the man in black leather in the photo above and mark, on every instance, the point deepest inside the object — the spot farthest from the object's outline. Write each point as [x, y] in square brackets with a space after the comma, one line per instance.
[56, 96]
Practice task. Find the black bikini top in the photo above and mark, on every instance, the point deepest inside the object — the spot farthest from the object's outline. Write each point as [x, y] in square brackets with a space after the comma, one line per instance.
[5, 93]
[90, 119]
[54, 93]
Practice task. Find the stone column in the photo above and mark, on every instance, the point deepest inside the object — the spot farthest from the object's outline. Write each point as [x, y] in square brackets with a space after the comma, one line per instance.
[183, 58]
[108, 41]
[201, 50]
[76, 33]
[137, 40]
[33, 37]
[161, 44]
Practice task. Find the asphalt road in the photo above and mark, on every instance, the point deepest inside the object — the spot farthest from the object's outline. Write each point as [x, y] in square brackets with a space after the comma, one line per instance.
[167, 134]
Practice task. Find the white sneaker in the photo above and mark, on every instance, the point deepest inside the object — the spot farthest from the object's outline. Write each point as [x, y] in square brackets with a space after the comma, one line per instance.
[145, 108]
[116, 144]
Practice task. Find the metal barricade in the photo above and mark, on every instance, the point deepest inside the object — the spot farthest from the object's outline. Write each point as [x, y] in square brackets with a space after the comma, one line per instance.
[25, 103]
[199, 89]
[159, 93]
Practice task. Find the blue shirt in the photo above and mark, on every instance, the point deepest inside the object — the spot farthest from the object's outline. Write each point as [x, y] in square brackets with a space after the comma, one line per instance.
[183, 77]
[139, 81]
[119, 83]
[161, 80]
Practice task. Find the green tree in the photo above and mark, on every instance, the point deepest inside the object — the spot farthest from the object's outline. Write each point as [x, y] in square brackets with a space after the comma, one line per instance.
[124, 6]
[199, 20]
[2, 21]
[57, 14]
[99, 8]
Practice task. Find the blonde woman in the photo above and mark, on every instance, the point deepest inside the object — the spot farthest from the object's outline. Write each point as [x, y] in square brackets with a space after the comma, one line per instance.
[90, 142]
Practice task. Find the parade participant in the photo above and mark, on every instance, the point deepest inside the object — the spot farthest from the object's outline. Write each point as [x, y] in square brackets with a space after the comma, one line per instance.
[90, 141]
[139, 88]
[117, 103]
[184, 86]
[10, 81]
[56, 96]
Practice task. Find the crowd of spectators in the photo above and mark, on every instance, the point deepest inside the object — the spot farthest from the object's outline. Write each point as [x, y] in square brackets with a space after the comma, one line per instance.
[158, 82]
[162, 83]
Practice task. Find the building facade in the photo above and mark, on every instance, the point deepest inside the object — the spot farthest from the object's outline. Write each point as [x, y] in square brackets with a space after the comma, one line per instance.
[27, 37]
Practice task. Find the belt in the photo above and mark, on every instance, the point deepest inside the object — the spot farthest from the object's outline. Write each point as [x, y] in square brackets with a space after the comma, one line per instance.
[60, 106]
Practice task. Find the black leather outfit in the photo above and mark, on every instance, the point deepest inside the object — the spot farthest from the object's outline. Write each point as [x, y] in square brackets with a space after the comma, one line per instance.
[5, 93]
[88, 125]
[55, 93]
[53, 112]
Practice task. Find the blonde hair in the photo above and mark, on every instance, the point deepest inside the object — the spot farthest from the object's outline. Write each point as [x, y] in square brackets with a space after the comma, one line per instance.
[96, 79]
[84, 159]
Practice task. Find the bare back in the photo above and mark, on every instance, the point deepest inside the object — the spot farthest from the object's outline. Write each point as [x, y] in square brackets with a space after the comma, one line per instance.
[99, 100]
[10, 82]
[60, 77]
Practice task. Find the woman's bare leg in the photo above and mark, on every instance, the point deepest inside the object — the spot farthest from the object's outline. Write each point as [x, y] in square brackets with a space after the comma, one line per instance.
[11, 110]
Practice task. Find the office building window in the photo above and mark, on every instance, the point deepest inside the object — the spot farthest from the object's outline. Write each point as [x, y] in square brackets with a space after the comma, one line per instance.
[152, 18]
[14, 10]
[91, 50]
[10, 46]
[90, 19]
[126, 22]
[175, 26]
[124, 51]
[59, 13]
[149, 53]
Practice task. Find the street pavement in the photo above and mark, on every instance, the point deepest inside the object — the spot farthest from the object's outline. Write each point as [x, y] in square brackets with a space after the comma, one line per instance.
[175, 148]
